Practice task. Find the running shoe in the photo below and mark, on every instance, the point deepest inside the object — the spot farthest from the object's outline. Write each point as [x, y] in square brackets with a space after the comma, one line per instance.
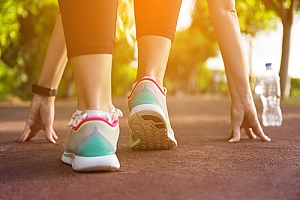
[148, 118]
[93, 140]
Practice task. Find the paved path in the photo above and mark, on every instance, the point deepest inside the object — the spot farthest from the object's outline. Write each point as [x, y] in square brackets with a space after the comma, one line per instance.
[203, 166]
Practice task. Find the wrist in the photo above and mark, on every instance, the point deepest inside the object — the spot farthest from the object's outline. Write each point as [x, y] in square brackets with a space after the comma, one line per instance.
[43, 91]
[243, 99]
[240, 91]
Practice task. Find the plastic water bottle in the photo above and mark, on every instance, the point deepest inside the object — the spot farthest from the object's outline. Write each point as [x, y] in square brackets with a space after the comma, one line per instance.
[270, 97]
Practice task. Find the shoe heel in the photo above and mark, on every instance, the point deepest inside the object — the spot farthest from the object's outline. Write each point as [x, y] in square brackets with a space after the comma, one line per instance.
[149, 125]
[100, 163]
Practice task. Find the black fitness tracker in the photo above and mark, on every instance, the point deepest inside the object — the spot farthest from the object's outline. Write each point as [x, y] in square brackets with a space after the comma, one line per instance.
[48, 92]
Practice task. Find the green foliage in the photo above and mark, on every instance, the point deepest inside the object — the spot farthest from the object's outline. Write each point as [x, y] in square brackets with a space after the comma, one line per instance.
[24, 36]
[285, 10]
[190, 50]
[122, 82]
[295, 87]
[254, 17]
[204, 77]
[216, 82]
[26, 26]
[25, 30]
[8, 80]
[123, 75]
[9, 25]
[9, 28]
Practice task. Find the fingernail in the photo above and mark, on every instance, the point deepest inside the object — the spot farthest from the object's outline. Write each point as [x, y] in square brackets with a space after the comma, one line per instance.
[231, 140]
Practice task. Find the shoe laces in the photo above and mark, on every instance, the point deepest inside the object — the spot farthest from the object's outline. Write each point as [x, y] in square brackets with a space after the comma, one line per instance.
[109, 116]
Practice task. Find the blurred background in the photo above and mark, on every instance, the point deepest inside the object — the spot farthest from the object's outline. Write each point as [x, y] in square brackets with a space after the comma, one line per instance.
[270, 28]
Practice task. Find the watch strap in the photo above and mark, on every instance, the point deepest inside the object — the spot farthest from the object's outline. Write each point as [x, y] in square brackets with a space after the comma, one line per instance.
[49, 92]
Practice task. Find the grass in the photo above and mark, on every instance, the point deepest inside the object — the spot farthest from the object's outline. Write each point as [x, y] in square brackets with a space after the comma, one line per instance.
[292, 100]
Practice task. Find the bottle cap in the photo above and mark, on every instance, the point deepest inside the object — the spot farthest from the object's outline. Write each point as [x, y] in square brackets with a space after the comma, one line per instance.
[268, 64]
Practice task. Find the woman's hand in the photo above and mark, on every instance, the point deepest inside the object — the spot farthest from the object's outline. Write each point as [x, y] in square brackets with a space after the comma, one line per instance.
[243, 115]
[40, 117]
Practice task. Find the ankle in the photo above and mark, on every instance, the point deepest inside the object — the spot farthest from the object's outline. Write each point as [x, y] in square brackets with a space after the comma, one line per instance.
[94, 106]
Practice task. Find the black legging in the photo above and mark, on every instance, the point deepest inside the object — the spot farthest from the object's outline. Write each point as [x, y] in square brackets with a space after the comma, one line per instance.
[89, 25]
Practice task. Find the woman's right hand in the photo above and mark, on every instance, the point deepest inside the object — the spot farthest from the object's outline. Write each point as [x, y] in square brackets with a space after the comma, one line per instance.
[244, 115]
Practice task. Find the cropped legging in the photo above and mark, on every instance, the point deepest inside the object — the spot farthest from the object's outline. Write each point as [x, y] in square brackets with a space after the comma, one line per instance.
[90, 25]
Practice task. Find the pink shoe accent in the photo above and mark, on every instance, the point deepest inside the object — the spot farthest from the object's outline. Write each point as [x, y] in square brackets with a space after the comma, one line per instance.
[115, 123]
[146, 79]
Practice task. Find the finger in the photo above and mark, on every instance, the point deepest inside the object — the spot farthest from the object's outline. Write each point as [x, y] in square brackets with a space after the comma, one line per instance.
[24, 135]
[250, 133]
[32, 133]
[260, 133]
[236, 135]
[54, 135]
[49, 134]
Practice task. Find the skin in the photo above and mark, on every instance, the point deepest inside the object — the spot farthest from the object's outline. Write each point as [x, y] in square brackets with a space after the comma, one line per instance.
[93, 92]
[41, 112]
[243, 112]
[152, 62]
[94, 71]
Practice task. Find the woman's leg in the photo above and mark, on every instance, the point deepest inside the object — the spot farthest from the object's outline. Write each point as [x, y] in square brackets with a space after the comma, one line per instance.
[89, 28]
[156, 25]
[153, 52]
[92, 75]
[90, 37]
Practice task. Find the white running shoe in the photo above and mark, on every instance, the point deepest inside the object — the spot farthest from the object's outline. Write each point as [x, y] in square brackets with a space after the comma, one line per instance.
[148, 119]
[93, 141]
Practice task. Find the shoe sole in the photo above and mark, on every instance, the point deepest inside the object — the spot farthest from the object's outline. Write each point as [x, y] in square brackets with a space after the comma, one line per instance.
[149, 124]
[89, 164]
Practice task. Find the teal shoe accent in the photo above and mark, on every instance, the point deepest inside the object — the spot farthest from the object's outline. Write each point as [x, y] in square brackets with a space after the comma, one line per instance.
[144, 98]
[96, 146]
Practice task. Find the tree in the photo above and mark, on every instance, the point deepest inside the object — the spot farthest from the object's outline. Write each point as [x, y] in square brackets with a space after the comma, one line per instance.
[25, 29]
[253, 18]
[191, 49]
[286, 10]
[123, 75]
